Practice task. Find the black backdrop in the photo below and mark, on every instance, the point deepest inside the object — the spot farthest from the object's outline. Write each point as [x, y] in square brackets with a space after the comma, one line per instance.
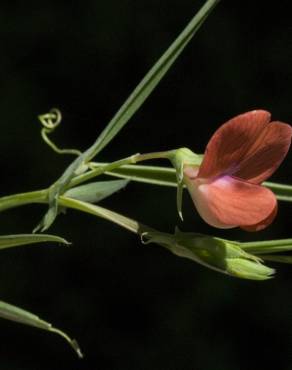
[132, 306]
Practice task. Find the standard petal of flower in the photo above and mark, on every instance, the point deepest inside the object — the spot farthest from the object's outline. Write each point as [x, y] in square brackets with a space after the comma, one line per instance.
[267, 153]
[230, 143]
[229, 202]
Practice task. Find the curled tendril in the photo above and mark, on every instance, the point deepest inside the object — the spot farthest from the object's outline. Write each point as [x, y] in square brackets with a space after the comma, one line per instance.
[50, 121]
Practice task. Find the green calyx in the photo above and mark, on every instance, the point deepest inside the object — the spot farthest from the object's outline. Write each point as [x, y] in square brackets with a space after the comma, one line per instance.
[180, 158]
[184, 157]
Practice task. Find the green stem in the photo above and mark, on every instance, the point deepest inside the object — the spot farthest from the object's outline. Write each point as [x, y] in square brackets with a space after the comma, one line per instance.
[283, 191]
[40, 196]
[155, 155]
[267, 246]
[17, 200]
[101, 169]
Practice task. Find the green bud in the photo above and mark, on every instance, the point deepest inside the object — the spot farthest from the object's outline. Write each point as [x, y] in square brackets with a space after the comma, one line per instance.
[218, 254]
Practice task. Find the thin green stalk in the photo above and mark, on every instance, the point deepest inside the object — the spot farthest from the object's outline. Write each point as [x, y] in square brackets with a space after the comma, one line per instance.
[268, 246]
[157, 175]
[40, 196]
[283, 191]
[155, 155]
[17, 200]
[108, 167]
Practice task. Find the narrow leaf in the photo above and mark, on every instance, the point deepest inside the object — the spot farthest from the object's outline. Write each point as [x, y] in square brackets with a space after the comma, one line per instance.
[128, 109]
[152, 79]
[8, 241]
[96, 191]
[104, 213]
[13, 313]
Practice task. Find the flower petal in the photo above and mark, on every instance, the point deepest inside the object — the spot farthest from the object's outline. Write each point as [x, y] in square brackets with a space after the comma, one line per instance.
[230, 143]
[266, 154]
[263, 224]
[229, 202]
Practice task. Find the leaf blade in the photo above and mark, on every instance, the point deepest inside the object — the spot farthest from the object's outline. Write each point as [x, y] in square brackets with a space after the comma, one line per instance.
[96, 191]
[152, 78]
[9, 241]
[17, 314]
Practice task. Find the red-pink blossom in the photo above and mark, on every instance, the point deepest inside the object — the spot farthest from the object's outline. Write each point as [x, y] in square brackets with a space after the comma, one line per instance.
[242, 153]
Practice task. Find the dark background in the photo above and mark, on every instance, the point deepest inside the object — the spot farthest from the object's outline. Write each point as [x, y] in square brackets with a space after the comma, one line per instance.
[132, 306]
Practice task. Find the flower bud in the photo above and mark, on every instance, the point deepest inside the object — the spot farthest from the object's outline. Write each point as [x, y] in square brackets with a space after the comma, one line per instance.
[218, 254]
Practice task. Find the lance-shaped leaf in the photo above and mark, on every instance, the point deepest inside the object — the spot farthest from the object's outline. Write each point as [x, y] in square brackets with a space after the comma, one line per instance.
[128, 109]
[123, 221]
[13, 313]
[96, 191]
[151, 80]
[8, 241]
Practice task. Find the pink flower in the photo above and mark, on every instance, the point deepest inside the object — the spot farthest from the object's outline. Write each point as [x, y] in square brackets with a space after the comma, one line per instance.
[226, 189]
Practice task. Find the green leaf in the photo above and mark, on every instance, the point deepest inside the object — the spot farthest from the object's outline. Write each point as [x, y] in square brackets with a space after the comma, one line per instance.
[128, 109]
[152, 79]
[104, 213]
[96, 191]
[13, 313]
[8, 241]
